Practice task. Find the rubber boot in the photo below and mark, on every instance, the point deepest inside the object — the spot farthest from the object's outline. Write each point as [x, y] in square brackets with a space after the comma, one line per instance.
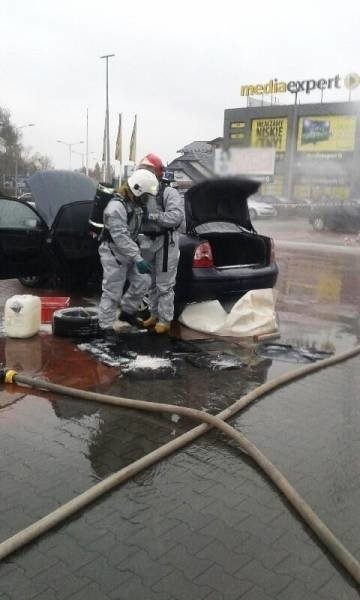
[109, 335]
[132, 319]
[150, 322]
[162, 328]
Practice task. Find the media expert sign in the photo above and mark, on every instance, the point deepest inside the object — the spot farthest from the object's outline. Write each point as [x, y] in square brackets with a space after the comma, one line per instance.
[332, 133]
[269, 133]
[274, 86]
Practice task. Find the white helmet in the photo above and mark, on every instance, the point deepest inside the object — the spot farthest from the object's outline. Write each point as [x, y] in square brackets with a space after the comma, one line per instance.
[143, 182]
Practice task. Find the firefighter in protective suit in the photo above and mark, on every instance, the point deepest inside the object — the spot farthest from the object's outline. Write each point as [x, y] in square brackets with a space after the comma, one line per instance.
[120, 254]
[160, 246]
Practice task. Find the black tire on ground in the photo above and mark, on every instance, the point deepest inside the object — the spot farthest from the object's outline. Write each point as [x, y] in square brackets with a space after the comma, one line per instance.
[77, 322]
[318, 223]
[34, 281]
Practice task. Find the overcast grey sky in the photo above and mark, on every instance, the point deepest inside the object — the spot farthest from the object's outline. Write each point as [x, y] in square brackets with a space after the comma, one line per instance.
[177, 65]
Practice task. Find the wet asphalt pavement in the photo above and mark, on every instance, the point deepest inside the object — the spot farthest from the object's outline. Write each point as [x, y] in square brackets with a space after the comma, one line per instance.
[204, 523]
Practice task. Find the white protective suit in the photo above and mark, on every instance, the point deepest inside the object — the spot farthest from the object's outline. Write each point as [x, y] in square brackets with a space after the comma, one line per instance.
[162, 251]
[122, 219]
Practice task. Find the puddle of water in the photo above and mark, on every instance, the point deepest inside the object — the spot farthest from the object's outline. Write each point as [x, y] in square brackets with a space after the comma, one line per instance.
[217, 362]
[145, 356]
[289, 353]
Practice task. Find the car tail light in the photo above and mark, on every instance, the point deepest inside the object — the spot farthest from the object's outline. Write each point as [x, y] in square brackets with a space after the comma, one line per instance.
[272, 251]
[203, 256]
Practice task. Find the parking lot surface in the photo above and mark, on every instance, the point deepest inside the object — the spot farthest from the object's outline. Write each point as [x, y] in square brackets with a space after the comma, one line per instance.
[204, 523]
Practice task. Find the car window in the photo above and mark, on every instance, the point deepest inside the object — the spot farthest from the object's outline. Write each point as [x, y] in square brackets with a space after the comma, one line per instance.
[73, 218]
[17, 215]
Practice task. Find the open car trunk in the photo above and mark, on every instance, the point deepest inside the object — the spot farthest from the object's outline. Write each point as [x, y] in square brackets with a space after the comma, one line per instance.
[217, 211]
[237, 249]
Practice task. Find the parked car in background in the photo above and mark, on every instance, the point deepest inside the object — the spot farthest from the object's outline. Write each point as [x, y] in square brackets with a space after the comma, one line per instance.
[259, 208]
[26, 197]
[221, 254]
[290, 208]
[336, 215]
[284, 207]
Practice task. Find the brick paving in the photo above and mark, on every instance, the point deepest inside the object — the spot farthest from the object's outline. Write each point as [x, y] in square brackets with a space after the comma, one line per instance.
[204, 523]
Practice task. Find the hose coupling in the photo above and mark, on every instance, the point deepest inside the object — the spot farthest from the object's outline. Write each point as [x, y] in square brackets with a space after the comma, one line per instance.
[7, 375]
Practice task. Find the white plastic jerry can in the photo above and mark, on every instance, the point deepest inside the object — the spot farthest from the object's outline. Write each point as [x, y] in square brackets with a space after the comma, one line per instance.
[22, 316]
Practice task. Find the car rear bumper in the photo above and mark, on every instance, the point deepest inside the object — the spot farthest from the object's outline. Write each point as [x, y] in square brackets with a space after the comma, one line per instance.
[211, 284]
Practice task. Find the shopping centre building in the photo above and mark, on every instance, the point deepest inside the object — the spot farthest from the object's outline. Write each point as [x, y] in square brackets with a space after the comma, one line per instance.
[317, 146]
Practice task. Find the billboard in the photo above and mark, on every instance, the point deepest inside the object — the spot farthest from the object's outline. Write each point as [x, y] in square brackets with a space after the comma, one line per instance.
[245, 161]
[330, 133]
[269, 133]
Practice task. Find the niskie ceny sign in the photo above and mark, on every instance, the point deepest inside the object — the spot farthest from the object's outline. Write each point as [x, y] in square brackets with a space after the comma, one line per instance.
[274, 86]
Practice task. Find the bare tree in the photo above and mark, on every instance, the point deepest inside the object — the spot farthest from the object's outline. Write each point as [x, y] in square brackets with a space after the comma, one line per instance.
[14, 157]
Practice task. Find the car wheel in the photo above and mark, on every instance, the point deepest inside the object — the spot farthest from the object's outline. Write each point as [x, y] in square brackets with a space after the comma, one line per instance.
[318, 224]
[253, 214]
[34, 281]
[77, 322]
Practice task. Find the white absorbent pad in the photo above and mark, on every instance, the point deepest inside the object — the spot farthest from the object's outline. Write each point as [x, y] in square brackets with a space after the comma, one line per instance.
[253, 314]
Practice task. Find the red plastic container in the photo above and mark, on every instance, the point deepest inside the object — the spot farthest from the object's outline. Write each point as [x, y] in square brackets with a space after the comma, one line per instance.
[49, 304]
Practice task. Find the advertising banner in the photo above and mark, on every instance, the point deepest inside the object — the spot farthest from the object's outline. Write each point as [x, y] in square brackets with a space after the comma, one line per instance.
[245, 161]
[274, 188]
[331, 133]
[269, 133]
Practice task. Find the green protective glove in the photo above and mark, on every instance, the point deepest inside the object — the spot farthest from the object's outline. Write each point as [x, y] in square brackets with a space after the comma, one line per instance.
[144, 267]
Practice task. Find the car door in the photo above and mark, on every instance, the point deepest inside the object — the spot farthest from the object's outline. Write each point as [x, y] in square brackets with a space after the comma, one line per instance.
[23, 236]
[75, 250]
[351, 215]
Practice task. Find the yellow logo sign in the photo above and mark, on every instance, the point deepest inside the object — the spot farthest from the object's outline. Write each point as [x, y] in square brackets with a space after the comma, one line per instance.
[274, 86]
[269, 133]
[352, 81]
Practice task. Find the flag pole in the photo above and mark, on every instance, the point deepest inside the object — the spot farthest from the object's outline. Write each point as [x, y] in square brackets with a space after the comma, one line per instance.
[120, 154]
[118, 147]
[132, 153]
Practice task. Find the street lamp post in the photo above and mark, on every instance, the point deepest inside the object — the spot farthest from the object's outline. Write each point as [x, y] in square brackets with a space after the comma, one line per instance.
[69, 146]
[16, 156]
[107, 145]
[82, 157]
[92, 157]
[87, 143]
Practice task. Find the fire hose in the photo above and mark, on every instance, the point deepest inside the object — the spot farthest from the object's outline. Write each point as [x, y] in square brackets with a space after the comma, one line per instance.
[324, 534]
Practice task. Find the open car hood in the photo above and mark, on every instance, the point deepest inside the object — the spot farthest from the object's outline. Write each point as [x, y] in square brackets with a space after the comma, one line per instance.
[222, 199]
[53, 189]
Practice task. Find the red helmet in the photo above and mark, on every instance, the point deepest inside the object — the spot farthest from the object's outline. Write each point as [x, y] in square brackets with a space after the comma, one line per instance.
[151, 160]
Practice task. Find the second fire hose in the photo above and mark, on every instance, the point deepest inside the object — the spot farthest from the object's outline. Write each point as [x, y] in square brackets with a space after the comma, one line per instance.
[208, 421]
